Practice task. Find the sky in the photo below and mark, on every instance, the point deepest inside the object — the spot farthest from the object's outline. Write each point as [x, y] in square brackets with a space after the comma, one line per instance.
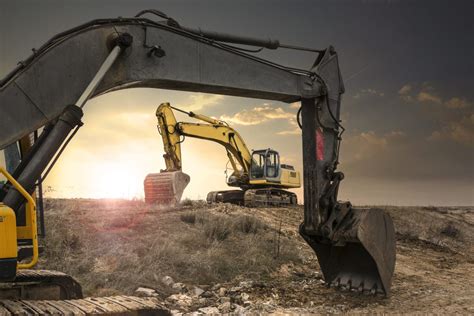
[408, 68]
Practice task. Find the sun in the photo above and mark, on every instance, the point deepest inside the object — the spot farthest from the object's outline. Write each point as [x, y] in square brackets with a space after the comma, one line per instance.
[116, 180]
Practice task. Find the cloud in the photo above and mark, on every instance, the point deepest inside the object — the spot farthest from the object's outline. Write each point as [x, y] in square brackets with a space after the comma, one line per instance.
[461, 131]
[368, 144]
[405, 89]
[368, 92]
[199, 101]
[457, 103]
[258, 115]
[425, 96]
[296, 130]
[295, 105]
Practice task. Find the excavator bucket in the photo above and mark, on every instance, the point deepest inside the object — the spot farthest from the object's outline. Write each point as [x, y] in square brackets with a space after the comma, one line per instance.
[165, 188]
[361, 253]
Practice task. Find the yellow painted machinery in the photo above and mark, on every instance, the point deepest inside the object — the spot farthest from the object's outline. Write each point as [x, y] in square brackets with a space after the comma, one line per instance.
[10, 232]
[260, 174]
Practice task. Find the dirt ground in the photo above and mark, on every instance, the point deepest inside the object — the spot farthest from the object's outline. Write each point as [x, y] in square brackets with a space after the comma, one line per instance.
[225, 258]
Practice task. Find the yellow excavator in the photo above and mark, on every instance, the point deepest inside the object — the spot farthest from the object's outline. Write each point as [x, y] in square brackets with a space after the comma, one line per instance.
[259, 174]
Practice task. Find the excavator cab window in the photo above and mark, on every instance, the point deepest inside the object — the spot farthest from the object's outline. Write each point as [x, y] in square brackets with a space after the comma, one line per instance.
[265, 164]
[271, 164]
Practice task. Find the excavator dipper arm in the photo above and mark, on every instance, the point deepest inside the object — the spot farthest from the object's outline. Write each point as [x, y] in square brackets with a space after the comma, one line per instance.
[223, 135]
[355, 248]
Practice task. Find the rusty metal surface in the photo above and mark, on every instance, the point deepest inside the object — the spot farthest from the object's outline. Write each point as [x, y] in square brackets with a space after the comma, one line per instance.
[116, 305]
[165, 188]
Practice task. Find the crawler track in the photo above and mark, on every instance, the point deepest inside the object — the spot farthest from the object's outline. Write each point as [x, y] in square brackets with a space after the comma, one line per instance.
[265, 197]
[117, 305]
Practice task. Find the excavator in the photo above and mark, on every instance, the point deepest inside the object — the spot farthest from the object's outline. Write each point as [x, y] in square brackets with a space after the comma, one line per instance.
[259, 174]
[46, 94]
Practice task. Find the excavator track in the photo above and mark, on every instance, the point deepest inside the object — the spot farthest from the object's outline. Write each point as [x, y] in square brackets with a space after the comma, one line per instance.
[268, 197]
[116, 305]
[41, 285]
[265, 197]
[44, 292]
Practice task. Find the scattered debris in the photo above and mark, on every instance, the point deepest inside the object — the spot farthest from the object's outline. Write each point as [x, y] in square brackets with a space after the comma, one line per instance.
[142, 291]
[182, 300]
[225, 307]
[198, 291]
[168, 281]
[209, 310]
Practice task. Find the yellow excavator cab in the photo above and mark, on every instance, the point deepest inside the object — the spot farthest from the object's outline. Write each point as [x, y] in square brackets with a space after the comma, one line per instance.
[266, 170]
[9, 232]
[8, 246]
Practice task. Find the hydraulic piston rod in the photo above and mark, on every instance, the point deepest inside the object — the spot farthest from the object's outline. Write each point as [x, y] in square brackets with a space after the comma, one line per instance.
[69, 120]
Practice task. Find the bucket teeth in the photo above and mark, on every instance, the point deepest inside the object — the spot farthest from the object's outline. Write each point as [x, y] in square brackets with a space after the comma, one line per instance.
[356, 284]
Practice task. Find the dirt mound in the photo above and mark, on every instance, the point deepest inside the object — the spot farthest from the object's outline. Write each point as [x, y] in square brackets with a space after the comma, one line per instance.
[225, 258]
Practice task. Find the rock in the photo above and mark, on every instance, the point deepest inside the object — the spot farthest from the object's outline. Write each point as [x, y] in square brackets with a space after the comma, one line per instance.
[179, 286]
[235, 289]
[207, 294]
[209, 310]
[225, 307]
[246, 284]
[197, 291]
[222, 291]
[239, 310]
[224, 299]
[182, 300]
[247, 303]
[143, 291]
[167, 280]
[203, 301]
[244, 296]
[176, 312]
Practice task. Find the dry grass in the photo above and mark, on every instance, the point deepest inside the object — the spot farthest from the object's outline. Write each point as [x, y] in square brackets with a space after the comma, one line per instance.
[450, 230]
[113, 247]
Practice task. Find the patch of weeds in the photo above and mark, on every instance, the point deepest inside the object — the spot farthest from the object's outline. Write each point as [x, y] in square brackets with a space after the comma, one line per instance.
[430, 208]
[450, 230]
[72, 241]
[188, 217]
[217, 229]
[248, 224]
[187, 202]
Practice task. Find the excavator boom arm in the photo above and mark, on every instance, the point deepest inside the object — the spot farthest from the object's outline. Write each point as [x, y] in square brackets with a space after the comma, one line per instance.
[223, 135]
[171, 138]
[213, 130]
